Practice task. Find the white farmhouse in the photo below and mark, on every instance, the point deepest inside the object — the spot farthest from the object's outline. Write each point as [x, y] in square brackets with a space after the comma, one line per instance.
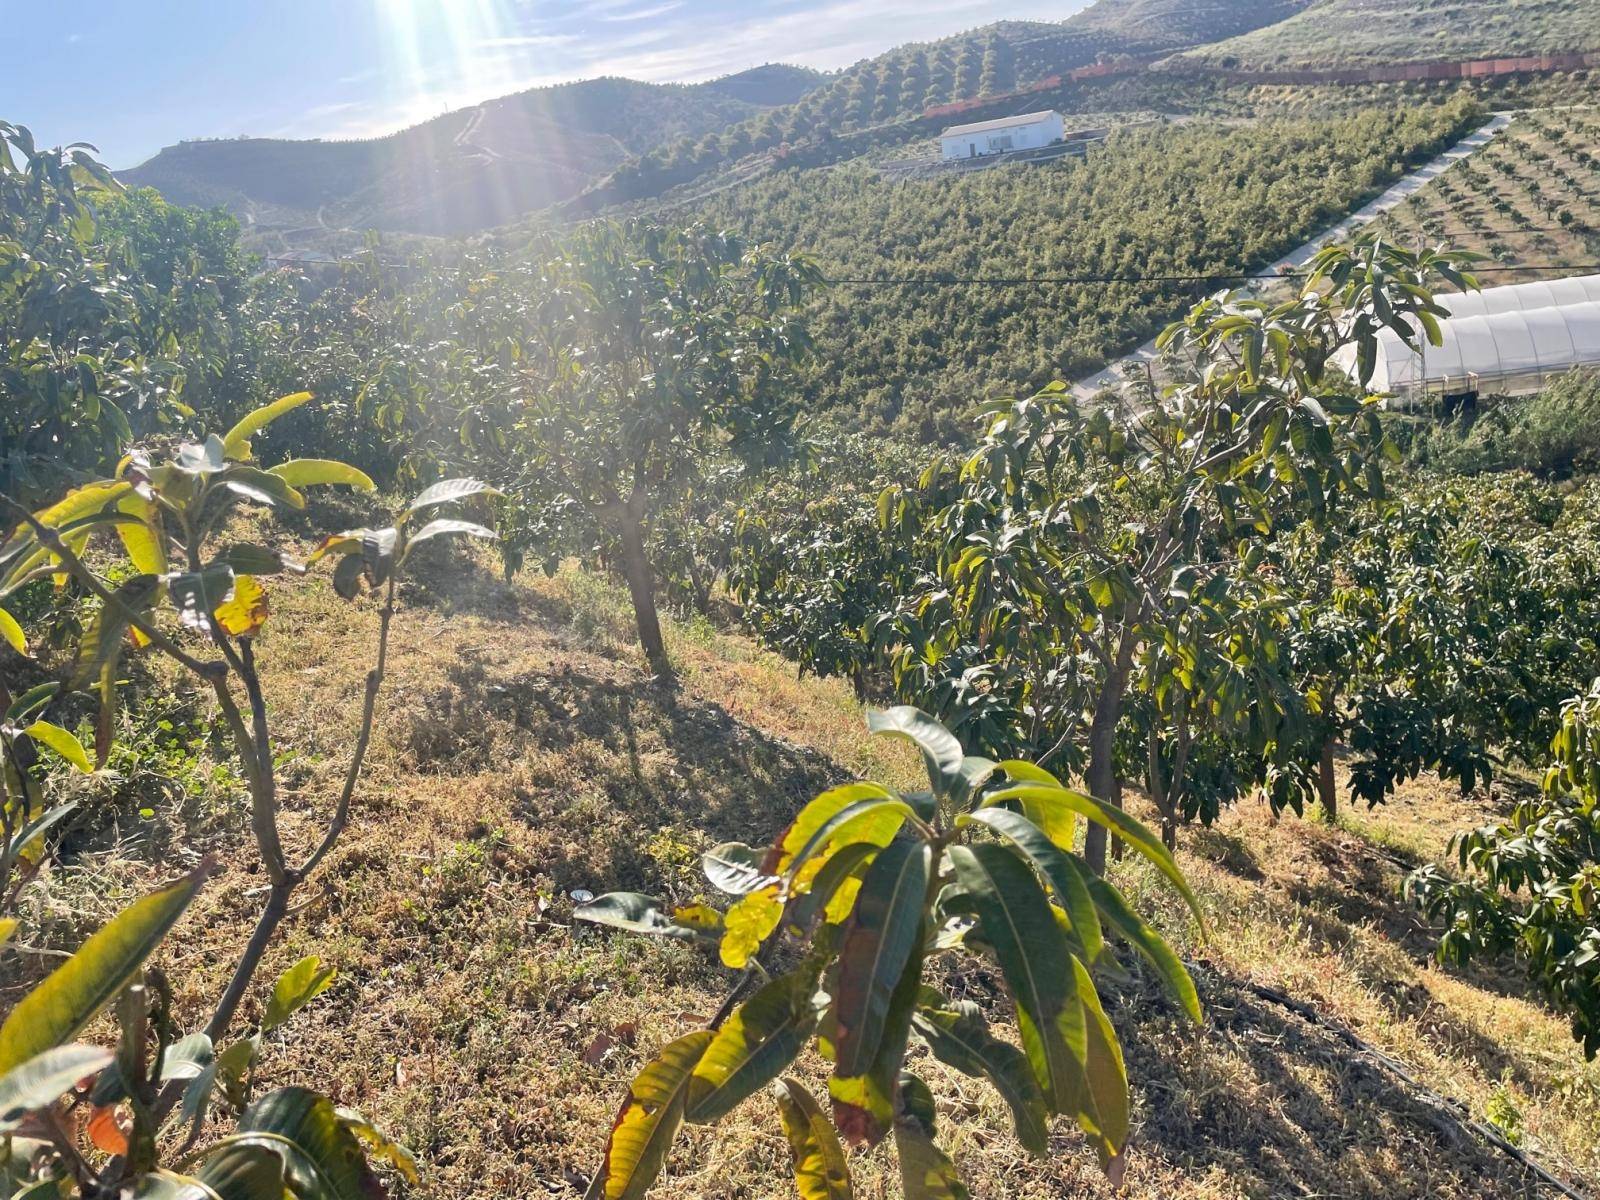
[1029, 131]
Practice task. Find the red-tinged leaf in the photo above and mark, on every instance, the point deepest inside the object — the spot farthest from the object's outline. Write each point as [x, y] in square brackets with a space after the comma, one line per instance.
[648, 1121]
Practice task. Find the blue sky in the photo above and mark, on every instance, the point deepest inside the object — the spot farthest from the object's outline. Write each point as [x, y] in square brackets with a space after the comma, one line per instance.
[132, 76]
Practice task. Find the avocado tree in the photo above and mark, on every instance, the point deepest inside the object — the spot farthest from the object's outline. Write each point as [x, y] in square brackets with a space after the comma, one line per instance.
[1529, 887]
[842, 929]
[645, 357]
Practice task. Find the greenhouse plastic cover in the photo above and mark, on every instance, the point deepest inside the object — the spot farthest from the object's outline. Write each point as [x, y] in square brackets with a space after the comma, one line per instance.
[1502, 339]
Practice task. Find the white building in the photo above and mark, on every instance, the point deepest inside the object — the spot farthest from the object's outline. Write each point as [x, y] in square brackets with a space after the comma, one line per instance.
[1501, 341]
[1030, 131]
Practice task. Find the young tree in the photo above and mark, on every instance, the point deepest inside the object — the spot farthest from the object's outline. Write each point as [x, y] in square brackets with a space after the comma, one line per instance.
[649, 355]
[1099, 552]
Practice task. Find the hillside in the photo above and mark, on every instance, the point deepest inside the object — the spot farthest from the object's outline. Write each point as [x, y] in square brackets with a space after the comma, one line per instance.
[1333, 32]
[525, 754]
[462, 171]
[767, 86]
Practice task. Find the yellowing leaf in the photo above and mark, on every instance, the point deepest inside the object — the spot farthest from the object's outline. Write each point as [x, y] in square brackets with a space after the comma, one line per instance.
[145, 543]
[310, 472]
[247, 610]
[648, 1121]
[296, 988]
[821, 1171]
[11, 633]
[62, 742]
[78, 503]
[236, 445]
[748, 924]
[698, 916]
[7, 928]
[106, 1129]
[380, 1146]
[64, 1003]
[760, 1039]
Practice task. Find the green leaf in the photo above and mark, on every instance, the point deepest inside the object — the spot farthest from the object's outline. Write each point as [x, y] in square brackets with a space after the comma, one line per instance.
[735, 868]
[1016, 919]
[261, 486]
[247, 559]
[296, 988]
[647, 1122]
[45, 1078]
[941, 752]
[198, 594]
[31, 701]
[78, 503]
[236, 445]
[317, 472]
[635, 913]
[444, 526]
[36, 828]
[821, 1171]
[70, 996]
[1122, 918]
[879, 941]
[754, 1045]
[145, 541]
[242, 1171]
[62, 742]
[11, 633]
[1112, 818]
[322, 1159]
[102, 642]
[874, 820]
[959, 1037]
[818, 812]
[187, 1058]
[446, 491]
[1066, 879]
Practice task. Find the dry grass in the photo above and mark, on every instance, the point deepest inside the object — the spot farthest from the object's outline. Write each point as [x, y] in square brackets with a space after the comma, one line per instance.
[522, 754]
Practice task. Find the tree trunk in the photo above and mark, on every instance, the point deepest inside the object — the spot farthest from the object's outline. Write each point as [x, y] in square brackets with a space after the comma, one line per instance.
[1101, 776]
[642, 590]
[1326, 791]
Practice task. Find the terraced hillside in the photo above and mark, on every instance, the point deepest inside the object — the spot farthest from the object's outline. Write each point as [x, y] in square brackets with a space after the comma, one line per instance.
[1337, 32]
[1531, 197]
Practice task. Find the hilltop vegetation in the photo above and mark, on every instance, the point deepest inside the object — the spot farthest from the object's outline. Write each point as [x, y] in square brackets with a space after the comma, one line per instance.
[1336, 32]
[464, 171]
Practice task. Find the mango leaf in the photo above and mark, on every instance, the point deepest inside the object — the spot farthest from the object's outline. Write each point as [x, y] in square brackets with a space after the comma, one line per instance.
[71, 995]
[1069, 883]
[315, 472]
[754, 1045]
[446, 491]
[747, 926]
[238, 1171]
[926, 1172]
[817, 812]
[347, 576]
[1059, 824]
[11, 633]
[31, 701]
[874, 820]
[1105, 1108]
[77, 503]
[45, 1078]
[1113, 819]
[187, 1058]
[62, 742]
[380, 1146]
[941, 752]
[296, 988]
[348, 542]
[246, 612]
[322, 1158]
[1016, 919]
[22, 844]
[201, 458]
[735, 868]
[146, 541]
[878, 943]
[834, 889]
[1122, 918]
[236, 443]
[864, 1106]
[821, 1171]
[635, 913]
[198, 594]
[248, 559]
[261, 487]
[8, 927]
[103, 641]
[441, 527]
[648, 1121]
[959, 1037]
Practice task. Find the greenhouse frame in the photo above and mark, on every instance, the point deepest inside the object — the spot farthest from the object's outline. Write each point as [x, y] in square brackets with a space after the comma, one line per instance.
[1501, 341]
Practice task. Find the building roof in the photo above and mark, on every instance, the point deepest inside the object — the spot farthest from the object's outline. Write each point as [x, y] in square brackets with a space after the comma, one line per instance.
[1517, 297]
[1484, 350]
[1000, 123]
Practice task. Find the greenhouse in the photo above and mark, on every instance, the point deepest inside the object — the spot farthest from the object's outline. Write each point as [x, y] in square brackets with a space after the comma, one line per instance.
[1505, 341]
